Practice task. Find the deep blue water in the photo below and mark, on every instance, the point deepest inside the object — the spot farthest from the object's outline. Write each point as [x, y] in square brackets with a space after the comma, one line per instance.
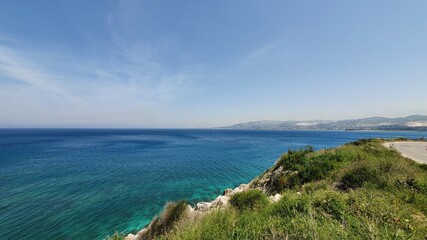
[84, 184]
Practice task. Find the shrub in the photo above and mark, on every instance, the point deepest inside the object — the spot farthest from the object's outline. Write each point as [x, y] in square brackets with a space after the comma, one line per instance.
[291, 205]
[360, 142]
[280, 181]
[313, 187]
[357, 176]
[423, 167]
[250, 199]
[331, 204]
[401, 139]
[171, 214]
[305, 170]
[319, 167]
[293, 158]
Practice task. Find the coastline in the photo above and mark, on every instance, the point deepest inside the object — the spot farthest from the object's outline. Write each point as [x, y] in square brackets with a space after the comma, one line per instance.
[259, 183]
[202, 208]
[198, 210]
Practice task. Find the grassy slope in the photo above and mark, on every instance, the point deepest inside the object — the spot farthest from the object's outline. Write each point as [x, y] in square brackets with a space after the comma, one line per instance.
[357, 191]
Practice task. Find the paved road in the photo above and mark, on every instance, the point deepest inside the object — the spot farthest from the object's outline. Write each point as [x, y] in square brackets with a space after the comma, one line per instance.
[416, 151]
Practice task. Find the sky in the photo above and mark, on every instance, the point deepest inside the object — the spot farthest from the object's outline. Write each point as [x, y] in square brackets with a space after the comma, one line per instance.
[192, 64]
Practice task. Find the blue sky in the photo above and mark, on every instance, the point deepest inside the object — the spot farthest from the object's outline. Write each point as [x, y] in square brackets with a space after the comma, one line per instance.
[209, 63]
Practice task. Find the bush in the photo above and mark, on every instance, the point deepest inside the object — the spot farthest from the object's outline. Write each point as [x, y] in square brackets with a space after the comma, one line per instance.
[330, 204]
[319, 167]
[293, 158]
[313, 187]
[171, 214]
[250, 199]
[401, 139]
[358, 176]
[360, 142]
[279, 183]
[423, 167]
[291, 205]
[305, 169]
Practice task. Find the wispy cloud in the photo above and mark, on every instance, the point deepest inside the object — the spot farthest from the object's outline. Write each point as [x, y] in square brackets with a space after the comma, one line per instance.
[126, 79]
[89, 76]
[265, 51]
[14, 66]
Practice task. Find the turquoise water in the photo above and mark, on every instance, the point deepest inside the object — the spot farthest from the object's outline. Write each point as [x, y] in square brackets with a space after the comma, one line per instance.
[84, 184]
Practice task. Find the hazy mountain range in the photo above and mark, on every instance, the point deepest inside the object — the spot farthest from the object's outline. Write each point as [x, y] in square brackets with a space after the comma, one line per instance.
[411, 123]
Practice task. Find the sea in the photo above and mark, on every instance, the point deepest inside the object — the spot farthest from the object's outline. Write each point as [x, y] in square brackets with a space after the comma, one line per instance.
[89, 183]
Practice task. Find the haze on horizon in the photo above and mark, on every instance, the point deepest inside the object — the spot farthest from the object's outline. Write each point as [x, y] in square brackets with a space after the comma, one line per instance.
[213, 63]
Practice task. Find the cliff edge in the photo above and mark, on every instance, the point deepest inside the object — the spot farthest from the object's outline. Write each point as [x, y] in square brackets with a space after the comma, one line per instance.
[359, 190]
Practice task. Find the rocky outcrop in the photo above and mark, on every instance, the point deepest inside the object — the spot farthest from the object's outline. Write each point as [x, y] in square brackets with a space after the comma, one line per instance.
[140, 235]
[200, 209]
[222, 201]
[272, 181]
[264, 183]
[227, 191]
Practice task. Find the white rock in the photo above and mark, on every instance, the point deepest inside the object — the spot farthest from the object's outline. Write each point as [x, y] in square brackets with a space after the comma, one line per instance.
[227, 191]
[190, 209]
[275, 198]
[203, 206]
[138, 236]
[141, 233]
[130, 236]
[222, 201]
[237, 190]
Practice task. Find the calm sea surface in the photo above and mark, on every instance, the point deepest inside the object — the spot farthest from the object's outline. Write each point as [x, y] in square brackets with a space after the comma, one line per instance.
[84, 184]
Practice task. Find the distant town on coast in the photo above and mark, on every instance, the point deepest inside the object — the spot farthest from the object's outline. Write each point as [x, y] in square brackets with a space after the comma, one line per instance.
[409, 123]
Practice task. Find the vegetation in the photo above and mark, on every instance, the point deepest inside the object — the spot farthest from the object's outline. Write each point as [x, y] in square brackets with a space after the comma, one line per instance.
[116, 236]
[248, 200]
[360, 190]
[173, 212]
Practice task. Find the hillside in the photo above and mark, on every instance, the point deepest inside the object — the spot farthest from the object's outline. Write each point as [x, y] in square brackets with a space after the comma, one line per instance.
[409, 123]
[361, 190]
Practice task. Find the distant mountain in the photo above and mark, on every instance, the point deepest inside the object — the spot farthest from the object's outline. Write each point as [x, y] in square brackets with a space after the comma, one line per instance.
[411, 123]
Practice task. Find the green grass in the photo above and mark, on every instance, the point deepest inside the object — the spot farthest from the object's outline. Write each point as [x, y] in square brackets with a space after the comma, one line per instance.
[360, 190]
[172, 213]
[248, 200]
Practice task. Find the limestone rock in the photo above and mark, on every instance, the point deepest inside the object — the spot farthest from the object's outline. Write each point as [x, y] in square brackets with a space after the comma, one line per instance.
[130, 236]
[275, 198]
[227, 191]
[237, 190]
[221, 201]
[203, 206]
[141, 233]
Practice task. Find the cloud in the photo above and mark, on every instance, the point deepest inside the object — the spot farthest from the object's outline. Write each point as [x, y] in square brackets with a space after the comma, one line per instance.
[63, 86]
[14, 66]
[272, 49]
[126, 76]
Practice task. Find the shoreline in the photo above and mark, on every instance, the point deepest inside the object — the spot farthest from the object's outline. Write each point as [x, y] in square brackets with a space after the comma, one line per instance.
[222, 201]
[198, 210]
